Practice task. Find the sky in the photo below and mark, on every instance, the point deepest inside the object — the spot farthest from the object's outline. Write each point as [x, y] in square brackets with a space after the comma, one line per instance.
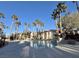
[28, 11]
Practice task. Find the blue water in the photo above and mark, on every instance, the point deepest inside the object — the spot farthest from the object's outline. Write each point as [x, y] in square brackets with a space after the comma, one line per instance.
[42, 44]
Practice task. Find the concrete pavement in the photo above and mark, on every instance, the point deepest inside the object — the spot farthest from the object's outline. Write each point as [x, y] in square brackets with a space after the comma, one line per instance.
[20, 50]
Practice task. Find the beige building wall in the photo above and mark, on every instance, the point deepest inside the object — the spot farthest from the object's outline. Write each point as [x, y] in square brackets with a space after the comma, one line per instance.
[50, 35]
[44, 35]
[31, 35]
[47, 35]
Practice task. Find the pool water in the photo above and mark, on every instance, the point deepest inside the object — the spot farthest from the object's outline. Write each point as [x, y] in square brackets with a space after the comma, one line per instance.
[41, 44]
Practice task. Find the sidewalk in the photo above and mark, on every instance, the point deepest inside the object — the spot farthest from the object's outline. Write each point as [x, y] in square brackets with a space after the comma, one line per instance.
[74, 49]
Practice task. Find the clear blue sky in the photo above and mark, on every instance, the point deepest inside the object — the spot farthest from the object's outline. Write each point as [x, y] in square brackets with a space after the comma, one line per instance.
[29, 11]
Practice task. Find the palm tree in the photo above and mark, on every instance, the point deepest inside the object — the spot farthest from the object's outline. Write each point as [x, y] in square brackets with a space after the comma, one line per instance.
[14, 17]
[17, 24]
[76, 3]
[54, 15]
[34, 24]
[61, 7]
[2, 15]
[37, 21]
[15, 20]
[38, 24]
[35, 37]
[2, 26]
[27, 32]
[26, 26]
[41, 24]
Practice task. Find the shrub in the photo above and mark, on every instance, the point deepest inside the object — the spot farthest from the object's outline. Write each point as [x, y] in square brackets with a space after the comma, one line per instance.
[71, 42]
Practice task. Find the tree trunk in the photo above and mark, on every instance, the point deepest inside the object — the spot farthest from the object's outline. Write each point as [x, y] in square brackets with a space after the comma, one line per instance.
[16, 31]
[60, 24]
[11, 28]
[56, 26]
[37, 32]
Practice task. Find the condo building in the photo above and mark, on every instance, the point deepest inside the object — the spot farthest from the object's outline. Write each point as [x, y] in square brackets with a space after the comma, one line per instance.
[45, 35]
